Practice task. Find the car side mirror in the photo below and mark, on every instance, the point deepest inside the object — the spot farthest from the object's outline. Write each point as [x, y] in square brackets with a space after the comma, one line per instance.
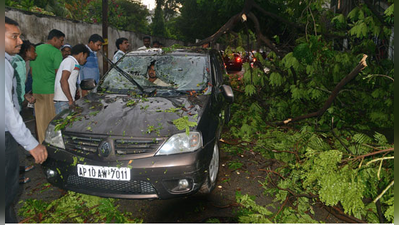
[88, 84]
[228, 93]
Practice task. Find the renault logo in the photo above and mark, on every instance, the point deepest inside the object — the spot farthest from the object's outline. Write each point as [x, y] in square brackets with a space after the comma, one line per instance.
[104, 149]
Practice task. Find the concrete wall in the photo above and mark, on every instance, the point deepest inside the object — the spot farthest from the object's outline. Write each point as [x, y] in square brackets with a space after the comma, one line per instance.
[35, 28]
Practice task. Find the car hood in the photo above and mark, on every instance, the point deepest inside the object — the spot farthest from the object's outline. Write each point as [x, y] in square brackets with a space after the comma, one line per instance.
[123, 115]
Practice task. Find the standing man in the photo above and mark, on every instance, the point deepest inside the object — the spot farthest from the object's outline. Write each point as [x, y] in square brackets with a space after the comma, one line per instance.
[66, 50]
[67, 74]
[44, 68]
[122, 44]
[91, 68]
[20, 63]
[146, 42]
[156, 44]
[15, 129]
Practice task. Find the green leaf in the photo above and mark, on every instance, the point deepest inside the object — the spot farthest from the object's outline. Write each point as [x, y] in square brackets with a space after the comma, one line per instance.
[250, 89]
[275, 79]
[389, 213]
[310, 69]
[184, 124]
[380, 138]
[259, 214]
[354, 14]
[303, 53]
[340, 18]
[360, 30]
[390, 10]
[290, 61]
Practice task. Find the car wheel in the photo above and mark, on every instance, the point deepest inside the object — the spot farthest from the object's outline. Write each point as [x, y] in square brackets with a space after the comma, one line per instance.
[213, 170]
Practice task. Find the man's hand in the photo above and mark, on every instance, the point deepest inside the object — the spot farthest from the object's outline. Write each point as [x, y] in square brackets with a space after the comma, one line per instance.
[29, 97]
[72, 105]
[39, 153]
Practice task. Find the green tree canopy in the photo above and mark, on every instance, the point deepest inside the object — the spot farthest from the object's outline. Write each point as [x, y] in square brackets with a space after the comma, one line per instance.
[122, 14]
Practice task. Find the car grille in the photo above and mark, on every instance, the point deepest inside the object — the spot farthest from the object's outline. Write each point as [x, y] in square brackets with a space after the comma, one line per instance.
[85, 144]
[126, 147]
[111, 186]
[88, 145]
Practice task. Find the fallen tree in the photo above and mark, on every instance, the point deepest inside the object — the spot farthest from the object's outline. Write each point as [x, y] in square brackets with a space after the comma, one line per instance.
[362, 64]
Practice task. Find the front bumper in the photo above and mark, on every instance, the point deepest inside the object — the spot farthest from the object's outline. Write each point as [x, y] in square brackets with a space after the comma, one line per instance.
[151, 178]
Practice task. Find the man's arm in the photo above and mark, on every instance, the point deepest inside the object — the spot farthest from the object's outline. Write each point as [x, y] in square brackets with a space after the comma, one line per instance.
[65, 85]
[16, 126]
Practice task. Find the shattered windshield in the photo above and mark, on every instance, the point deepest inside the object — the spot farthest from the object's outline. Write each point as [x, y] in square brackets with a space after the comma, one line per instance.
[178, 72]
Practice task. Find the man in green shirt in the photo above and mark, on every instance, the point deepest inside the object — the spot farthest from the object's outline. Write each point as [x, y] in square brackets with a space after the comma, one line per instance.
[44, 69]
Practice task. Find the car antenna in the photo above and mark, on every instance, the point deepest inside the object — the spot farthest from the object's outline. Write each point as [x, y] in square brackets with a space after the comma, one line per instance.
[124, 73]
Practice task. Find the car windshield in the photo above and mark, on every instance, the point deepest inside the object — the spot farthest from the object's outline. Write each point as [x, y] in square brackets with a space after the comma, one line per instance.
[173, 72]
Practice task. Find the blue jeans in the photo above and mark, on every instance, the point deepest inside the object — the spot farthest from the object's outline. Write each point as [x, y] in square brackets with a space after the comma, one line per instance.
[12, 175]
[60, 106]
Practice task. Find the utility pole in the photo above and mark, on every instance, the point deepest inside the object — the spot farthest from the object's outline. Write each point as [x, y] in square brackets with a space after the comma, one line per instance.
[105, 35]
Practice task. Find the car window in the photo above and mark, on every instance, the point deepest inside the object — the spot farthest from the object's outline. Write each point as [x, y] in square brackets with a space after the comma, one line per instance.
[180, 72]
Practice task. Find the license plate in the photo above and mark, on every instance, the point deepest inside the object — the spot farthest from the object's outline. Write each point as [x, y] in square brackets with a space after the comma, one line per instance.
[103, 172]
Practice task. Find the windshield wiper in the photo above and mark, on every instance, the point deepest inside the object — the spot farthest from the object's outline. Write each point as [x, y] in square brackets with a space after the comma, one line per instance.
[123, 73]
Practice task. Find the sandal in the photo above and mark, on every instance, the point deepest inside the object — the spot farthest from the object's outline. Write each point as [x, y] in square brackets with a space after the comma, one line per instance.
[29, 168]
[24, 180]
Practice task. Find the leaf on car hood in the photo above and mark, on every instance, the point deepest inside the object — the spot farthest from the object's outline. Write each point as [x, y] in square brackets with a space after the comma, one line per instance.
[183, 123]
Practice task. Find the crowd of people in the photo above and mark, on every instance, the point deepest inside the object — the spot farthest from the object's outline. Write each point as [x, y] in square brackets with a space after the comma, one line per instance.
[47, 76]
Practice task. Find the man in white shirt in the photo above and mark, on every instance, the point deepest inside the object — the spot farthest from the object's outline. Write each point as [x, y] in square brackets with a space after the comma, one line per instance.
[146, 42]
[152, 76]
[15, 130]
[122, 44]
[67, 74]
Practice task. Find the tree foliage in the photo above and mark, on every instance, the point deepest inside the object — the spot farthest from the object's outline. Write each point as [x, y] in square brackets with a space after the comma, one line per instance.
[327, 158]
[122, 14]
[158, 22]
[75, 208]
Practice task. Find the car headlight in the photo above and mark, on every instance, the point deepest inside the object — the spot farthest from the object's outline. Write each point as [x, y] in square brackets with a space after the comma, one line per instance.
[181, 143]
[54, 137]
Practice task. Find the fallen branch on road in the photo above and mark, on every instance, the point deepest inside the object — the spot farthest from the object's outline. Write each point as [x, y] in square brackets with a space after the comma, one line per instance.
[369, 154]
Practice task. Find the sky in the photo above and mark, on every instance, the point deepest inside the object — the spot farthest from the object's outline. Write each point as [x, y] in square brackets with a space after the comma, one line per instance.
[150, 3]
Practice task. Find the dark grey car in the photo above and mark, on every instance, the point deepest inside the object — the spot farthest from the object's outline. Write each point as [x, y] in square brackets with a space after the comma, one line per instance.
[130, 138]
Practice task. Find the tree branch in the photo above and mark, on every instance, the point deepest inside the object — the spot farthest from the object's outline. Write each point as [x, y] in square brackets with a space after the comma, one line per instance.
[341, 215]
[298, 26]
[376, 13]
[362, 64]
[225, 28]
[228, 25]
[274, 16]
[370, 154]
[383, 192]
[380, 75]
[340, 141]
[266, 40]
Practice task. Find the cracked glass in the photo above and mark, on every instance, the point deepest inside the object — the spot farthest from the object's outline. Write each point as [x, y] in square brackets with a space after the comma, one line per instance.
[179, 72]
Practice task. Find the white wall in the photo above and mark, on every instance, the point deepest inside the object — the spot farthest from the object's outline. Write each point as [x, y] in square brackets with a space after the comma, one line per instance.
[35, 28]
